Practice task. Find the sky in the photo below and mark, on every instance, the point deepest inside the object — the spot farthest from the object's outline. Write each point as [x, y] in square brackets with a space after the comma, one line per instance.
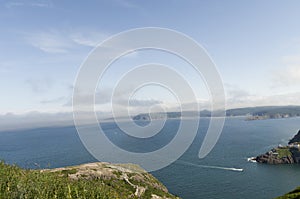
[254, 44]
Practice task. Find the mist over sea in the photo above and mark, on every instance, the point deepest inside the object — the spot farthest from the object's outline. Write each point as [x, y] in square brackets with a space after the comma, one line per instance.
[224, 173]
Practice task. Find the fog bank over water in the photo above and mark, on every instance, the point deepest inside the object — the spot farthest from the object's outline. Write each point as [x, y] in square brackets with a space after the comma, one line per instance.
[37, 119]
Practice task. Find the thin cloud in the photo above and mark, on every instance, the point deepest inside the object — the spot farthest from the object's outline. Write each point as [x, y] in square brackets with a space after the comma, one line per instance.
[55, 41]
[234, 91]
[34, 120]
[53, 101]
[104, 97]
[140, 102]
[50, 42]
[14, 4]
[65, 41]
[91, 39]
[237, 98]
[126, 4]
[288, 75]
[40, 4]
[6, 66]
[39, 85]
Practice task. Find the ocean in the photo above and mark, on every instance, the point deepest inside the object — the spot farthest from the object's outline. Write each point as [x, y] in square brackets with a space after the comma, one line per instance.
[224, 173]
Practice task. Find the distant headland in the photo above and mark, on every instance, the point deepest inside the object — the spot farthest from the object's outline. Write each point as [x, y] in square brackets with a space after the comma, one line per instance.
[250, 113]
[289, 154]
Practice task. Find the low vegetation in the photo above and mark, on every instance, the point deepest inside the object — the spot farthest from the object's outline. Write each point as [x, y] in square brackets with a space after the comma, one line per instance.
[95, 180]
[283, 152]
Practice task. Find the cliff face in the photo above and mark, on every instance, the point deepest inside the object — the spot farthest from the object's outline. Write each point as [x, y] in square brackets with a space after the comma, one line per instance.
[296, 138]
[283, 154]
[272, 158]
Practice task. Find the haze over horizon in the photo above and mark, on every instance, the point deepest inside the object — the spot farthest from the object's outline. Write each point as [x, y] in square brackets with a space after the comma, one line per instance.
[255, 46]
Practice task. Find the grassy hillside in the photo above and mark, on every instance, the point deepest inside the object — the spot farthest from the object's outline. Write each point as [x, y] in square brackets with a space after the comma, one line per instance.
[95, 180]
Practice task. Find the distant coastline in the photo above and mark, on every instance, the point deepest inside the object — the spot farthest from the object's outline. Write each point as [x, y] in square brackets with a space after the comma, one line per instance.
[250, 113]
[270, 116]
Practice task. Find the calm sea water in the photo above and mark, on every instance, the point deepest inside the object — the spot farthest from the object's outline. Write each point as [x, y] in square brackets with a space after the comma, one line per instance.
[189, 177]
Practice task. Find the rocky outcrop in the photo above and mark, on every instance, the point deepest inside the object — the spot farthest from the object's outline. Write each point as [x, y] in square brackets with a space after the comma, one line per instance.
[296, 138]
[143, 183]
[270, 158]
[289, 154]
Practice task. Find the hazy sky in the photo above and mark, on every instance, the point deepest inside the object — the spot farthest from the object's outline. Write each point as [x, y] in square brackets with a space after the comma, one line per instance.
[254, 44]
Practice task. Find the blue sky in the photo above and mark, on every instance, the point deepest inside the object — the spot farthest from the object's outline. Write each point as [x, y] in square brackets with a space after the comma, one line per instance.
[255, 45]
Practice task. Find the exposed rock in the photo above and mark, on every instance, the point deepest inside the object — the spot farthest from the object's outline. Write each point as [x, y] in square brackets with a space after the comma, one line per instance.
[132, 174]
[283, 154]
[271, 159]
[296, 138]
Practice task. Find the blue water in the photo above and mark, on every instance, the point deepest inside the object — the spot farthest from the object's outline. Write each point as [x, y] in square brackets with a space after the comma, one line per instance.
[189, 177]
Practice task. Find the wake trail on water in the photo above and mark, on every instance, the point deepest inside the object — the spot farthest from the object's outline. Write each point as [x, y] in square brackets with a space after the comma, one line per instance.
[209, 167]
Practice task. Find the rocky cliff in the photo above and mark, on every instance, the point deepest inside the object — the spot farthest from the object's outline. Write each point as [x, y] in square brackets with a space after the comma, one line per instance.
[272, 157]
[296, 138]
[289, 154]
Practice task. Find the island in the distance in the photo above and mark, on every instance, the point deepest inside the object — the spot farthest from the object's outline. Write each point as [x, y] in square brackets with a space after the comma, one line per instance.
[289, 154]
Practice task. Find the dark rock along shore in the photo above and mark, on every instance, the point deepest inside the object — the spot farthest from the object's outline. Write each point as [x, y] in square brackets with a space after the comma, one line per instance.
[289, 154]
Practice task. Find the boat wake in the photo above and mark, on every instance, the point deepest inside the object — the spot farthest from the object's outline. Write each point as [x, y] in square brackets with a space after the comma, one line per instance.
[210, 167]
[252, 159]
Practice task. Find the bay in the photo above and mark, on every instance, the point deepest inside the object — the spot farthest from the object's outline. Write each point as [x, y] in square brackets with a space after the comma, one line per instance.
[218, 175]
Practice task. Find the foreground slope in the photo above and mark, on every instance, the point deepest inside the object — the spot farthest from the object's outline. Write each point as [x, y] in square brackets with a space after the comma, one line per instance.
[93, 180]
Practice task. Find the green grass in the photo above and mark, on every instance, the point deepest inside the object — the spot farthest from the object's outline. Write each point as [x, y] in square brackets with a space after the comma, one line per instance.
[283, 152]
[34, 184]
[19, 183]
